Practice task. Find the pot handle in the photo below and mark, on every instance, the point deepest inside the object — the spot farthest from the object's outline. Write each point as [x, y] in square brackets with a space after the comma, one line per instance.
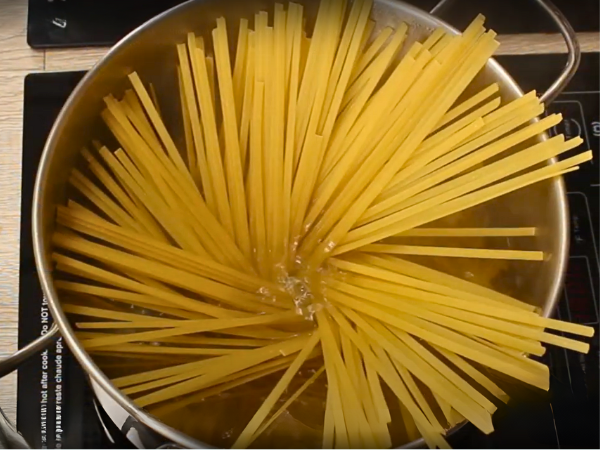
[11, 363]
[9, 436]
[573, 49]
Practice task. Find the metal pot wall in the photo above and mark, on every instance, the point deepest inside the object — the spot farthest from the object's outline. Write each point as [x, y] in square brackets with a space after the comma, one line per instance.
[150, 50]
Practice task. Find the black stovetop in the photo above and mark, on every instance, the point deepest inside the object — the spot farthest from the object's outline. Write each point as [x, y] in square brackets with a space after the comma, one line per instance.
[73, 23]
[565, 417]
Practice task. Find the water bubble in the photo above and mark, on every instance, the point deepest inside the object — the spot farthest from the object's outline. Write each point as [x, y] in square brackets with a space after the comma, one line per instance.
[329, 247]
[264, 291]
[295, 243]
[227, 434]
[301, 294]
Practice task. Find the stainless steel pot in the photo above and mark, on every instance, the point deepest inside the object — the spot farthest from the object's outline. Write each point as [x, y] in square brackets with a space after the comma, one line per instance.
[150, 50]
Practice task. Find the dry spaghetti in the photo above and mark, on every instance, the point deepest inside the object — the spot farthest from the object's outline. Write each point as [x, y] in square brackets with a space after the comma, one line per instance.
[269, 255]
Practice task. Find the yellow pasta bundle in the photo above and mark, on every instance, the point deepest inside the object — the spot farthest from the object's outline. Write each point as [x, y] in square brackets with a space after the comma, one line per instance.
[273, 249]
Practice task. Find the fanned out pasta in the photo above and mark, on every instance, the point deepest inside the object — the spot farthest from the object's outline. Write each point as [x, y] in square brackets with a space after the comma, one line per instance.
[270, 261]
